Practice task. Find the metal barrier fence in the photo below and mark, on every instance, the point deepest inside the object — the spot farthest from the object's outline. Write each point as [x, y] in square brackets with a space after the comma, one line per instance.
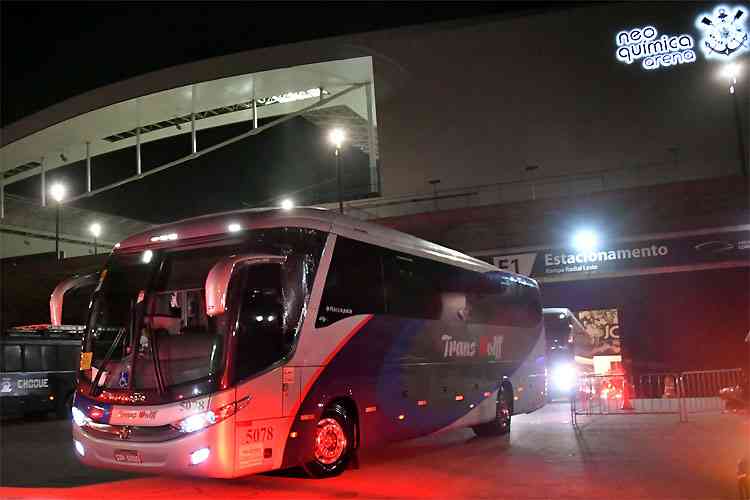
[654, 393]
[700, 389]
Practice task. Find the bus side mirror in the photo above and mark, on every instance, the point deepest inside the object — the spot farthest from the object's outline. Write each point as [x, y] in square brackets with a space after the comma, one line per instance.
[58, 294]
[217, 280]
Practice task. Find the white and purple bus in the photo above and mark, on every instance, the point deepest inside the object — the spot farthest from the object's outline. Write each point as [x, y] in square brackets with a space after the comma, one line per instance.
[248, 341]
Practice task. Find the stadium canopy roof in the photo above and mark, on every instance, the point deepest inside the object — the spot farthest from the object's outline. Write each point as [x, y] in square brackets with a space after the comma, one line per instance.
[112, 118]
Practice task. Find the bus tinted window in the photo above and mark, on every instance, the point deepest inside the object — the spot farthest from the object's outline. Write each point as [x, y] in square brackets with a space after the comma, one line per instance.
[76, 306]
[495, 298]
[412, 286]
[354, 284]
[261, 337]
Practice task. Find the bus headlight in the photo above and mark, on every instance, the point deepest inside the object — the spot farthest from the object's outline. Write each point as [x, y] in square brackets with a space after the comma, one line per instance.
[200, 421]
[564, 376]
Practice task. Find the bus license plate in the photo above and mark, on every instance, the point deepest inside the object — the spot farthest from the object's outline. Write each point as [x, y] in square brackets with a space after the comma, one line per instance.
[128, 456]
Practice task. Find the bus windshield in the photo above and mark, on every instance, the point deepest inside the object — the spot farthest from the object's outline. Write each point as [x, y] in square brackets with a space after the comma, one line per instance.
[149, 331]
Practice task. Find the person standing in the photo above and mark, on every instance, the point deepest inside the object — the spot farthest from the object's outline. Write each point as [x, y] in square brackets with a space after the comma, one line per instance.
[743, 484]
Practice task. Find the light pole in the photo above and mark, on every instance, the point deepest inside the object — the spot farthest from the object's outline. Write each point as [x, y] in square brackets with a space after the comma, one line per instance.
[57, 192]
[731, 71]
[96, 231]
[337, 137]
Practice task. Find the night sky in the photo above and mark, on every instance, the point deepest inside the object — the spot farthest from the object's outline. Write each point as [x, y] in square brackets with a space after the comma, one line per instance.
[53, 51]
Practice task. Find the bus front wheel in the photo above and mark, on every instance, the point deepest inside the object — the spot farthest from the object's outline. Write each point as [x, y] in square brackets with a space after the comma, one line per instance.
[333, 441]
[500, 425]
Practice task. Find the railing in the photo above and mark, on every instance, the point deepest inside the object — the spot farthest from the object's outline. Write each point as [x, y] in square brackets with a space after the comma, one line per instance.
[700, 389]
[579, 184]
[675, 393]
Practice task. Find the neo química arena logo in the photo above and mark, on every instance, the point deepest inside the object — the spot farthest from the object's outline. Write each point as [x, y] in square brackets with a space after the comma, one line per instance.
[654, 51]
[722, 32]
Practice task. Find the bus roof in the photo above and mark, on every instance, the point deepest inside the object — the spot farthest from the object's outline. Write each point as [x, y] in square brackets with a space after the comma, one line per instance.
[216, 225]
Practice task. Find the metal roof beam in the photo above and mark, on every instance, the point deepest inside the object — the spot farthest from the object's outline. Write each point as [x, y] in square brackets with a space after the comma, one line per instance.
[220, 145]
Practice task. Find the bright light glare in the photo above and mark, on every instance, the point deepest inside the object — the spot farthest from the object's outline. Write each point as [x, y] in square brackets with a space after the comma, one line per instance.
[198, 421]
[199, 456]
[287, 204]
[234, 227]
[731, 71]
[57, 191]
[96, 229]
[79, 417]
[337, 137]
[271, 318]
[164, 237]
[585, 240]
[147, 256]
[564, 376]
[79, 447]
[259, 318]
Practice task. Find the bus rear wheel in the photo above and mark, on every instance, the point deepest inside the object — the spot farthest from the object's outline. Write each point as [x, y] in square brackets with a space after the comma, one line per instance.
[500, 425]
[333, 442]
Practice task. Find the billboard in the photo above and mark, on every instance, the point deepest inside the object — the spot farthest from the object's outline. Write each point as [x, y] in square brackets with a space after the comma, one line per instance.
[634, 256]
[602, 328]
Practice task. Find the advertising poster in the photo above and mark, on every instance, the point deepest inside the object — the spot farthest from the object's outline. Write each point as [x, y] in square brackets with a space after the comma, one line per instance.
[602, 331]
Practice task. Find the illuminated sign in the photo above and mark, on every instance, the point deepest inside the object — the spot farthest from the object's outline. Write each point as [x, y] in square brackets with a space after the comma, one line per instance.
[632, 257]
[654, 51]
[290, 97]
[724, 32]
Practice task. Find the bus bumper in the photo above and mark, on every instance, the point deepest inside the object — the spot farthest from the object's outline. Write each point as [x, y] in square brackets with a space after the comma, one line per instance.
[185, 455]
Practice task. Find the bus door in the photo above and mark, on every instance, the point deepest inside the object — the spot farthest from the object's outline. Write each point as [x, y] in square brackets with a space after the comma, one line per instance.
[265, 296]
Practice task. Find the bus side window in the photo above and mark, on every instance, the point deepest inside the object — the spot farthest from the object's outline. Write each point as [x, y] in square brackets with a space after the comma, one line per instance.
[354, 284]
[494, 299]
[412, 287]
[490, 300]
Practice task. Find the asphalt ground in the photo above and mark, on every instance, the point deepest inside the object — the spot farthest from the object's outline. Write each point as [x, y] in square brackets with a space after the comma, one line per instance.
[612, 457]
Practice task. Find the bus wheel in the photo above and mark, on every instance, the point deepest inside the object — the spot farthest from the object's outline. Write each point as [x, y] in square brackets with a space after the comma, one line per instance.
[500, 425]
[332, 443]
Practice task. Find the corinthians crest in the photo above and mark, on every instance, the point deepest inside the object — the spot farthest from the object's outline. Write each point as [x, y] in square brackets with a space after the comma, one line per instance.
[724, 31]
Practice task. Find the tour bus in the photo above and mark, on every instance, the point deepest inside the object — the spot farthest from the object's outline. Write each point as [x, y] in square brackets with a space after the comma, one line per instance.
[38, 363]
[242, 342]
[564, 333]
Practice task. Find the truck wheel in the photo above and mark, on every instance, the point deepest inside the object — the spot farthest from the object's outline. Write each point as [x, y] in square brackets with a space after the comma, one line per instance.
[500, 425]
[333, 442]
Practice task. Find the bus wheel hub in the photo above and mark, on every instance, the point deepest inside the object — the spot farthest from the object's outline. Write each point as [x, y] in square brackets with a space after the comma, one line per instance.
[330, 441]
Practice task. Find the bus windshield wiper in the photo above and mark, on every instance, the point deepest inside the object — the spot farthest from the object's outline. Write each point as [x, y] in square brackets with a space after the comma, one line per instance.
[107, 358]
[160, 385]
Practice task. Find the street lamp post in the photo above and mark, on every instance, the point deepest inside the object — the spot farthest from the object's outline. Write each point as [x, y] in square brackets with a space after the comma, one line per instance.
[57, 192]
[337, 138]
[731, 72]
[96, 231]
